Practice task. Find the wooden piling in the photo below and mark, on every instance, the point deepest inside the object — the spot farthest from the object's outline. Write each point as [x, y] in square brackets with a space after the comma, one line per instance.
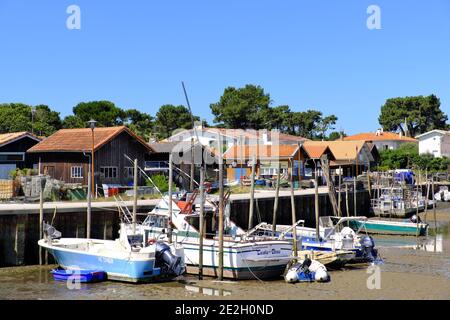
[316, 205]
[434, 203]
[41, 217]
[89, 203]
[293, 214]
[135, 194]
[201, 222]
[220, 209]
[347, 200]
[275, 203]
[191, 181]
[340, 193]
[252, 194]
[169, 230]
[354, 198]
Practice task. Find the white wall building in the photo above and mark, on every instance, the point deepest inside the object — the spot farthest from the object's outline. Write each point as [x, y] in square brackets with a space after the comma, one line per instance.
[381, 139]
[209, 137]
[435, 142]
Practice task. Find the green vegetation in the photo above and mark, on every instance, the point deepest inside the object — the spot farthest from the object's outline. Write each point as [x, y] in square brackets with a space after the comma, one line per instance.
[17, 117]
[161, 182]
[407, 157]
[250, 107]
[22, 173]
[413, 115]
[170, 118]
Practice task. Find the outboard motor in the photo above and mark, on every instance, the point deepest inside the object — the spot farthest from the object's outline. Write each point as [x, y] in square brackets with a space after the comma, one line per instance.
[50, 232]
[368, 250]
[415, 219]
[167, 261]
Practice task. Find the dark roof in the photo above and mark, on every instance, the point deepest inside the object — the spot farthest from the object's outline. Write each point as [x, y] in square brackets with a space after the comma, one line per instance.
[7, 138]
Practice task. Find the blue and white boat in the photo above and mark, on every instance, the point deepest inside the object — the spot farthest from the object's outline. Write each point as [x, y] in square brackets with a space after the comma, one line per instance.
[131, 258]
[334, 237]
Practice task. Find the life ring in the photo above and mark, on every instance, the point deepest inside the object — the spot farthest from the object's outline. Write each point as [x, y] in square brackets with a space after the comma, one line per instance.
[151, 241]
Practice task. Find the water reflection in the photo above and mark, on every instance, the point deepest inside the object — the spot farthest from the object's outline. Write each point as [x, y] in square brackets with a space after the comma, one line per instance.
[428, 244]
[207, 291]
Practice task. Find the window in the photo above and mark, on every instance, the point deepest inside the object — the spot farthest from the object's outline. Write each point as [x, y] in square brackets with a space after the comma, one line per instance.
[272, 171]
[129, 172]
[109, 172]
[76, 172]
[12, 156]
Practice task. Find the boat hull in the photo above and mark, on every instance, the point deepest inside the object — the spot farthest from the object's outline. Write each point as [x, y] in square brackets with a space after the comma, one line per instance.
[241, 262]
[392, 228]
[120, 269]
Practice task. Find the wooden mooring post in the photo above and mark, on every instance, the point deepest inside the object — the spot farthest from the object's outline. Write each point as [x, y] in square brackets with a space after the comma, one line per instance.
[293, 214]
[41, 215]
[135, 194]
[252, 194]
[221, 202]
[201, 222]
[275, 203]
[354, 198]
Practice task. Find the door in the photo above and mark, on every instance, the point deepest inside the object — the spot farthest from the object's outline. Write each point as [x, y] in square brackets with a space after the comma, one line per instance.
[5, 170]
[49, 170]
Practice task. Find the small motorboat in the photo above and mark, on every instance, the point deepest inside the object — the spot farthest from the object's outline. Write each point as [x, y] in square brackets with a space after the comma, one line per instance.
[83, 276]
[443, 194]
[307, 271]
[130, 258]
[410, 227]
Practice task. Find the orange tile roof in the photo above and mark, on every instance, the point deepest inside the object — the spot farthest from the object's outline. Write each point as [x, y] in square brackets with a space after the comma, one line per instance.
[79, 140]
[315, 151]
[8, 137]
[372, 136]
[261, 151]
[342, 150]
[290, 137]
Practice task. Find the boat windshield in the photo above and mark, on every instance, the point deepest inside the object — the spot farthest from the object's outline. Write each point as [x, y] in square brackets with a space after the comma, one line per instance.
[157, 221]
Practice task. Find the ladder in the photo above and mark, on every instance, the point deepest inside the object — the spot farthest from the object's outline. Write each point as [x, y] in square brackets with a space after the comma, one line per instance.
[126, 215]
[330, 184]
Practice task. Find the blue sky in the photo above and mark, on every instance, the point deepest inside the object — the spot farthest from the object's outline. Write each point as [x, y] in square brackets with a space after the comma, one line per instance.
[307, 54]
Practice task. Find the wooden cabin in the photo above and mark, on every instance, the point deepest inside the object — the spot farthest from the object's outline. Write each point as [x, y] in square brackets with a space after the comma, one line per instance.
[13, 147]
[352, 157]
[66, 154]
[290, 157]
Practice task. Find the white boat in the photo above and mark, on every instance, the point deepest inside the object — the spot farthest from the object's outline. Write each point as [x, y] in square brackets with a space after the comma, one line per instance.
[307, 270]
[130, 258]
[243, 257]
[404, 228]
[334, 236]
[443, 194]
